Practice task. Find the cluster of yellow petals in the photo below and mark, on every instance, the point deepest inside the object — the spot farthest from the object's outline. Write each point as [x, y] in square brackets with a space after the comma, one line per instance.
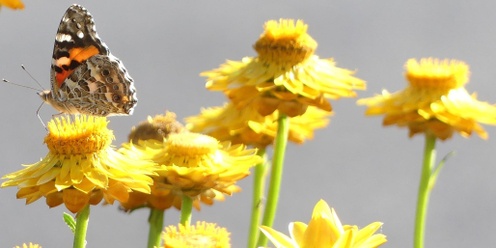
[192, 164]
[81, 167]
[13, 4]
[204, 235]
[30, 245]
[286, 76]
[326, 231]
[247, 126]
[435, 101]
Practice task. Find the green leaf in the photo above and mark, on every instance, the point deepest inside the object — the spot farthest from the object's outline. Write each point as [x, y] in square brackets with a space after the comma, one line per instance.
[435, 173]
[69, 220]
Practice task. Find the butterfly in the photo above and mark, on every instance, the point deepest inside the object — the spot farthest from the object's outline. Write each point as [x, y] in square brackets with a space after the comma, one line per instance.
[85, 77]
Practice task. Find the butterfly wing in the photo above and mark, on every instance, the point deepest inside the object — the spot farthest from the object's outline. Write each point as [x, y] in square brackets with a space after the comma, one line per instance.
[95, 87]
[75, 42]
[85, 77]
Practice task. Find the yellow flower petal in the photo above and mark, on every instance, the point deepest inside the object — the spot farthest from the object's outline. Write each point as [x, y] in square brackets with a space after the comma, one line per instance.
[13, 4]
[278, 239]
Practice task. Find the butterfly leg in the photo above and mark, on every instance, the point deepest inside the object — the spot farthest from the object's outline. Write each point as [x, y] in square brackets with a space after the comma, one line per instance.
[39, 117]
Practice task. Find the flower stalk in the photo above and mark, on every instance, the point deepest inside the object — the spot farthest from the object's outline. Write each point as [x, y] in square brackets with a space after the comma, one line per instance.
[82, 219]
[156, 222]
[186, 210]
[427, 177]
[276, 176]
[257, 204]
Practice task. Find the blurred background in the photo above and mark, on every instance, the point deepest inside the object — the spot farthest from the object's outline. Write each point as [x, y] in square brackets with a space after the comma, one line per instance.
[366, 172]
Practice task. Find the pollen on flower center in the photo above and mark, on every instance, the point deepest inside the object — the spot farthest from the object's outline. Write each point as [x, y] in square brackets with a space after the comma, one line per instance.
[83, 135]
[191, 144]
[285, 42]
[437, 74]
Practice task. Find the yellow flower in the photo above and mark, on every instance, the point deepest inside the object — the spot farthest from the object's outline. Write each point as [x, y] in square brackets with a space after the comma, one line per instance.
[247, 126]
[435, 101]
[204, 235]
[192, 164]
[158, 128]
[325, 230]
[13, 4]
[286, 75]
[30, 245]
[81, 167]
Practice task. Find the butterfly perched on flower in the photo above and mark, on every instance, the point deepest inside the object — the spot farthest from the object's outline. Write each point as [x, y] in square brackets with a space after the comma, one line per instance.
[85, 77]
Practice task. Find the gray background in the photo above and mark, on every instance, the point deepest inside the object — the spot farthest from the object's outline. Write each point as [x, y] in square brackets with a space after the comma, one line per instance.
[366, 172]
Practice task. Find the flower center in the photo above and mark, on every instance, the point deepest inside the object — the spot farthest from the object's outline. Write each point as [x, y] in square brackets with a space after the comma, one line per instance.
[191, 144]
[285, 42]
[436, 74]
[83, 135]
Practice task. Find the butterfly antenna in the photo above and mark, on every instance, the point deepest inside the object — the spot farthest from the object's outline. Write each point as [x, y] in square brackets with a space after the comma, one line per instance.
[20, 85]
[31, 76]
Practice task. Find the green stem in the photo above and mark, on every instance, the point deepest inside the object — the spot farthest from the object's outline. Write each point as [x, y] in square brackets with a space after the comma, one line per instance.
[156, 222]
[275, 177]
[256, 205]
[186, 209]
[82, 218]
[424, 190]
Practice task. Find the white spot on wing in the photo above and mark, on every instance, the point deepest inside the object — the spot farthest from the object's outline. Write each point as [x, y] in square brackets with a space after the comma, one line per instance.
[63, 37]
[80, 34]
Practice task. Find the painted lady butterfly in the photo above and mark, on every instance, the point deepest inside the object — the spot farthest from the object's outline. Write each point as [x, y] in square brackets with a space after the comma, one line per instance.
[85, 77]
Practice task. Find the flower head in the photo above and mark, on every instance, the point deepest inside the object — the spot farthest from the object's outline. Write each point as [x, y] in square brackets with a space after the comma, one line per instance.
[30, 245]
[435, 101]
[202, 234]
[157, 129]
[192, 164]
[81, 167]
[286, 75]
[247, 126]
[325, 230]
[13, 4]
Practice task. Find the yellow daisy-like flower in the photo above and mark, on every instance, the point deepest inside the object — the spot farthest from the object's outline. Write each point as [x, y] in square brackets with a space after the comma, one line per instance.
[247, 126]
[158, 128]
[435, 101]
[30, 245]
[13, 4]
[326, 231]
[81, 167]
[286, 75]
[204, 235]
[195, 164]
